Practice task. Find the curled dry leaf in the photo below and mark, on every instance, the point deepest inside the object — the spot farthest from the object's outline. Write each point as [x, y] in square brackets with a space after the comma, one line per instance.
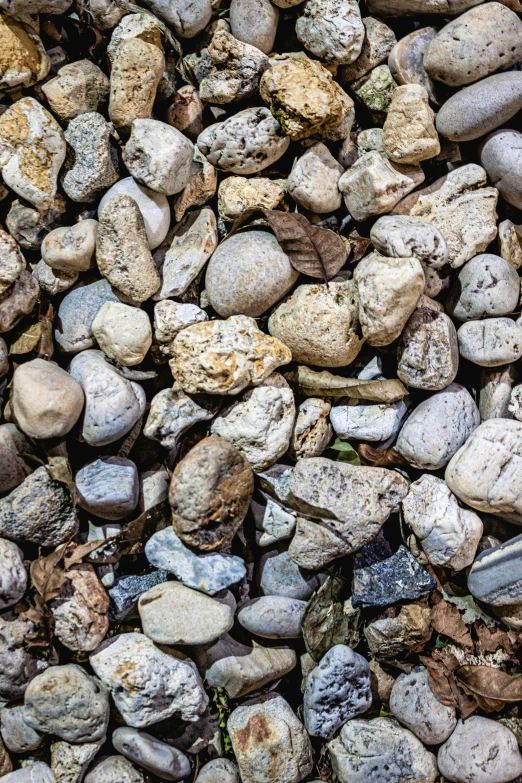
[491, 688]
[325, 384]
[359, 245]
[492, 638]
[386, 458]
[329, 620]
[443, 684]
[447, 620]
[60, 470]
[38, 337]
[47, 577]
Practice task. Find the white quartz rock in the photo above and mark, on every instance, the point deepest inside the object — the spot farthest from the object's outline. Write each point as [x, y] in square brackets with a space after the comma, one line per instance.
[158, 156]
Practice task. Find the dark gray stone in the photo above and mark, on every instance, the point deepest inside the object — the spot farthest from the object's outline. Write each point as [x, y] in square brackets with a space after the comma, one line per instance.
[127, 590]
[76, 314]
[399, 578]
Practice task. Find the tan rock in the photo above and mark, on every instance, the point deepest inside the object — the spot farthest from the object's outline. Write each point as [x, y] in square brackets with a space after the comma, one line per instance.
[23, 60]
[71, 248]
[123, 333]
[223, 357]
[236, 195]
[80, 613]
[510, 243]
[78, 88]
[11, 261]
[237, 69]
[200, 188]
[303, 96]
[406, 60]
[137, 69]
[409, 134]
[19, 300]
[53, 281]
[379, 40]
[312, 431]
[393, 635]
[185, 113]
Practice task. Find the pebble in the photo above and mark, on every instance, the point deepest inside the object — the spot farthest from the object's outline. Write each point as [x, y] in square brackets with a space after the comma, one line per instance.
[17, 735]
[495, 392]
[76, 314]
[11, 261]
[108, 487]
[331, 29]
[45, 401]
[374, 91]
[510, 247]
[270, 743]
[137, 68]
[24, 60]
[273, 617]
[14, 447]
[336, 690]
[218, 771]
[122, 250]
[480, 108]
[381, 750]
[186, 21]
[93, 165]
[486, 286]
[320, 325]
[39, 511]
[172, 412]
[39, 772]
[483, 40]
[406, 60]
[254, 22]
[71, 249]
[281, 576]
[170, 318]
[378, 42]
[65, 701]
[80, 619]
[313, 180]
[515, 403]
[312, 431]
[210, 492]
[500, 155]
[17, 666]
[13, 576]
[158, 156]
[114, 769]
[113, 404]
[273, 522]
[154, 208]
[416, 707]
[409, 134]
[123, 333]
[368, 422]
[237, 69]
[480, 751]
[151, 754]
[236, 195]
[77, 88]
[148, 685]
[492, 342]
[247, 274]
[20, 300]
[428, 354]
[483, 472]
[401, 236]
[494, 577]
[200, 348]
[398, 578]
[28, 226]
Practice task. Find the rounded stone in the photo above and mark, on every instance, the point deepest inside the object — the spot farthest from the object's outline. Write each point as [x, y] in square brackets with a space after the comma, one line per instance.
[313, 180]
[501, 156]
[114, 769]
[46, 402]
[236, 195]
[151, 754]
[13, 576]
[78, 88]
[186, 19]
[247, 274]
[108, 487]
[428, 353]
[16, 734]
[219, 771]
[210, 492]
[254, 22]
[123, 333]
[137, 68]
[71, 249]
[13, 467]
[405, 60]
[480, 750]
[281, 576]
[273, 617]
[319, 324]
[413, 703]
[158, 156]
[77, 312]
[486, 286]
[402, 236]
[154, 208]
[491, 342]
[38, 772]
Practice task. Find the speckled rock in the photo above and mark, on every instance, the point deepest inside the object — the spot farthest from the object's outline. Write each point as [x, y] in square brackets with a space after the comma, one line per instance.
[137, 69]
[515, 403]
[53, 281]
[375, 90]
[331, 29]
[401, 236]
[108, 487]
[480, 750]
[406, 60]
[32, 150]
[200, 349]
[76, 314]
[151, 754]
[158, 156]
[71, 248]
[201, 185]
[69, 763]
[486, 286]
[219, 771]
[254, 22]
[186, 20]
[92, 166]
[78, 88]
[368, 422]
[416, 707]
[492, 342]
[114, 769]
[66, 701]
[17, 665]
[126, 591]
[319, 325]
[379, 40]
[13, 446]
[273, 522]
[16, 734]
[172, 412]
[501, 156]
[409, 134]
[281, 576]
[11, 261]
[237, 69]
[170, 318]
[80, 612]
[313, 180]
[23, 61]
[39, 772]
[273, 616]
[124, 333]
[154, 208]
[13, 576]
[236, 195]
[148, 685]
[312, 431]
[428, 353]
[397, 578]
[438, 427]
[19, 300]
[494, 577]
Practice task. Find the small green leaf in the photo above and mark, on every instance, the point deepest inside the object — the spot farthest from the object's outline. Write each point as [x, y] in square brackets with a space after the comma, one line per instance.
[345, 452]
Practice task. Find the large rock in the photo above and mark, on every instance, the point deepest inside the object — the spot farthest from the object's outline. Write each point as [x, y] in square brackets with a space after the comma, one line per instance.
[486, 286]
[331, 29]
[254, 22]
[409, 134]
[281, 576]
[108, 487]
[186, 20]
[137, 68]
[236, 195]
[24, 60]
[69, 763]
[414, 704]
[39, 772]
[77, 88]
[313, 180]
[92, 167]
[71, 248]
[368, 422]
[480, 750]
[402, 236]
[495, 575]
[428, 352]
[172, 412]
[406, 60]
[123, 333]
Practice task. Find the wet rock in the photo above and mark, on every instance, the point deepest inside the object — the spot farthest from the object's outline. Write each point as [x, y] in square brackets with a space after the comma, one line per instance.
[80, 612]
[236, 195]
[11, 261]
[154, 208]
[416, 707]
[151, 754]
[313, 180]
[108, 487]
[486, 286]
[76, 314]
[114, 769]
[428, 354]
[281, 576]
[391, 636]
[331, 29]
[195, 239]
[312, 431]
[17, 666]
[368, 422]
[93, 165]
[127, 590]
[17, 735]
[66, 701]
[398, 578]
[218, 771]
[24, 60]
[501, 157]
[406, 60]
[379, 40]
[491, 753]
[13, 576]
[495, 392]
[148, 685]
[494, 577]
[123, 333]
[273, 617]
[78, 88]
[237, 69]
[492, 342]
[13, 447]
[137, 69]
[19, 300]
[158, 156]
[172, 412]
[254, 22]
[71, 248]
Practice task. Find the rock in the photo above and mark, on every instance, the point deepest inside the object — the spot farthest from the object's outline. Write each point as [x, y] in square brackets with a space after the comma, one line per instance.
[409, 135]
[438, 427]
[378, 42]
[236, 72]
[303, 95]
[11, 261]
[368, 422]
[319, 325]
[65, 701]
[281, 576]
[78, 88]
[186, 21]
[17, 666]
[449, 535]
[254, 22]
[208, 573]
[515, 403]
[69, 763]
[398, 578]
[170, 318]
[80, 612]
[13, 446]
[71, 248]
[364, 745]
[313, 179]
[154, 208]
[336, 690]
[247, 274]
[492, 342]
[32, 150]
[244, 355]
[13, 576]
[460, 208]
[19, 300]
[260, 424]
[172, 412]
[45, 401]
[462, 52]
[273, 522]
[486, 286]
[210, 492]
[33, 773]
[151, 754]
[312, 432]
[494, 577]
[17, 735]
[393, 635]
[491, 756]
[92, 167]
[270, 743]
[28, 226]
[501, 157]
[331, 29]
[218, 771]
[148, 685]
[509, 241]
[137, 69]
[495, 392]
[185, 113]
[39, 511]
[114, 769]
[158, 156]
[24, 60]
[405, 60]
[122, 249]
[76, 314]
[374, 90]
[201, 185]
[108, 487]
[273, 617]
[428, 354]
[389, 289]
[245, 143]
[236, 195]
[123, 333]
[480, 108]
[113, 404]
[416, 707]
[374, 185]
[127, 590]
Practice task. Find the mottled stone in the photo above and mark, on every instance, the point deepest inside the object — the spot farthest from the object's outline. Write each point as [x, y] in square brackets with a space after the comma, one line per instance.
[273, 522]
[185, 113]
[124, 333]
[80, 612]
[375, 90]
[236, 195]
[391, 636]
[201, 185]
[16, 734]
[11, 261]
[398, 578]
[19, 300]
[127, 590]
[486, 286]
[378, 42]
[53, 281]
[313, 180]
[219, 771]
[409, 134]
[172, 412]
[312, 431]
[480, 750]
[414, 704]
[92, 167]
[151, 754]
[401, 236]
[69, 763]
[13, 576]
[273, 617]
[158, 156]
[17, 666]
[491, 342]
[76, 314]
[428, 354]
[23, 61]
[114, 769]
[137, 68]
[14, 446]
[496, 385]
[236, 72]
[77, 88]
[154, 208]
[29, 226]
[71, 248]
[331, 29]
[368, 422]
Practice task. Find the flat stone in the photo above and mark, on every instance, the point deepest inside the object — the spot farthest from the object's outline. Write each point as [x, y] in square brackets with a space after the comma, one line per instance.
[409, 134]
[491, 342]
[17, 666]
[416, 707]
[80, 611]
[428, 354]
[77, 312]
[495, 575]
[24, 60]
[114, 769]
[273, 617]
[19, 300]
[415, 7]
[237, 69]
[17, 735]
[93, 165]
[127, 590]
[378, 42]
[77, 88]
[108, 487]
[148, 685]
[208, 573]
[151, 754]
[401, 236]
[313, 180]
[337, 689]
[254, 22]
[158, 156]
[500, 154]
[281, 576]
[270, 743]
[312, 431]
[136, 70]
[236, 195]
[71, 249]
[154, 208]
[218, 771]
[405, 60]
[331, 29]
[368, 422]
[13, 580]
[480, 750]
[486, 286]
[398, 578]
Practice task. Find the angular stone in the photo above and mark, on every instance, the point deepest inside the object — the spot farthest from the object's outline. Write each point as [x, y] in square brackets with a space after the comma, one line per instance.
[495, 392]
[92, 167]
[158, 156]
[29, 226]
[416, 707]
[391, 636]
[331, 29]
[428, 353]
[378, 42]
[80, 612]
[151, 754]
[281, 576]
[406, 60]
[491, 342]
[236, 195]
[201, 185]
[368, 422]
[127, 590]
[273, 522]
[11, 261]
[273, 617]
[480, 750]
[172, 412]
[76, 314]
[398, 578]
[495, 575]
[237, 69]
[185, 113]
[24, 60]
[486, 286]
[154, 208]
[313, 180]
[69, 763]
[409, 135]
[375, 90]
[312, 432]
[19, 300]
[17, 666]
[170, 318]
[77, 88]
[71, 248]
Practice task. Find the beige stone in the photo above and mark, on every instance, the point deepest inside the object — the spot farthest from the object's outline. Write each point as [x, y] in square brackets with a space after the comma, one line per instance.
[236, 195]
[391, 636]
[510, 243]
[81, 615]
[409, 134]
[23, 60]
[71, 248]
[406, 60]
[314, 178]
[77, 88]
[312, 431]
[137, 69]
[11, 261]
[378, 42]
[237, 69]
[123, 333]
[375, 90]
[200, 188]
[185, 113]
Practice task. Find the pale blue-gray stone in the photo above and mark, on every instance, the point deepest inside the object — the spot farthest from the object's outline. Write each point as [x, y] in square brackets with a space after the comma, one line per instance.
[76, 313]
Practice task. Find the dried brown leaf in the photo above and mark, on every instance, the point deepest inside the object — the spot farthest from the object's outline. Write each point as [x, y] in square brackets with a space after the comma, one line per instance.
[386, 458]
[358, 244]
[325, 384]
[38, 337]
[79, 552]
[326, 623]
[492, 638]
[47, 577]
[447, 620]
[443, 683]
[60, 470]
[491, 688]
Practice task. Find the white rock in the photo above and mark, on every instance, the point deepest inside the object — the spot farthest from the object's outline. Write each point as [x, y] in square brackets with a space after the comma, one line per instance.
[491, 342]
[195, 239]
[486, 286]
[11, 261]
[236, 72]
[114, 769]
[78, 87]
[13, 576]
[313, 180]
[480, 750]
[71, 249]
[123, 333]
[218, 771]
[515, 402]
[153, 206]
[428, 353]
[331, 29]
[238, 194]
[171, 317]
[151, 754]
[172, 412]
[16, 734]
[416, 707]
[108, 487]
[448, 534]
[496, 385]
[368, 422]
[273, 522]
[402, 236]
[273, 616]
[158, 156]
[69, 763]
[187, 20]
[34, 773]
